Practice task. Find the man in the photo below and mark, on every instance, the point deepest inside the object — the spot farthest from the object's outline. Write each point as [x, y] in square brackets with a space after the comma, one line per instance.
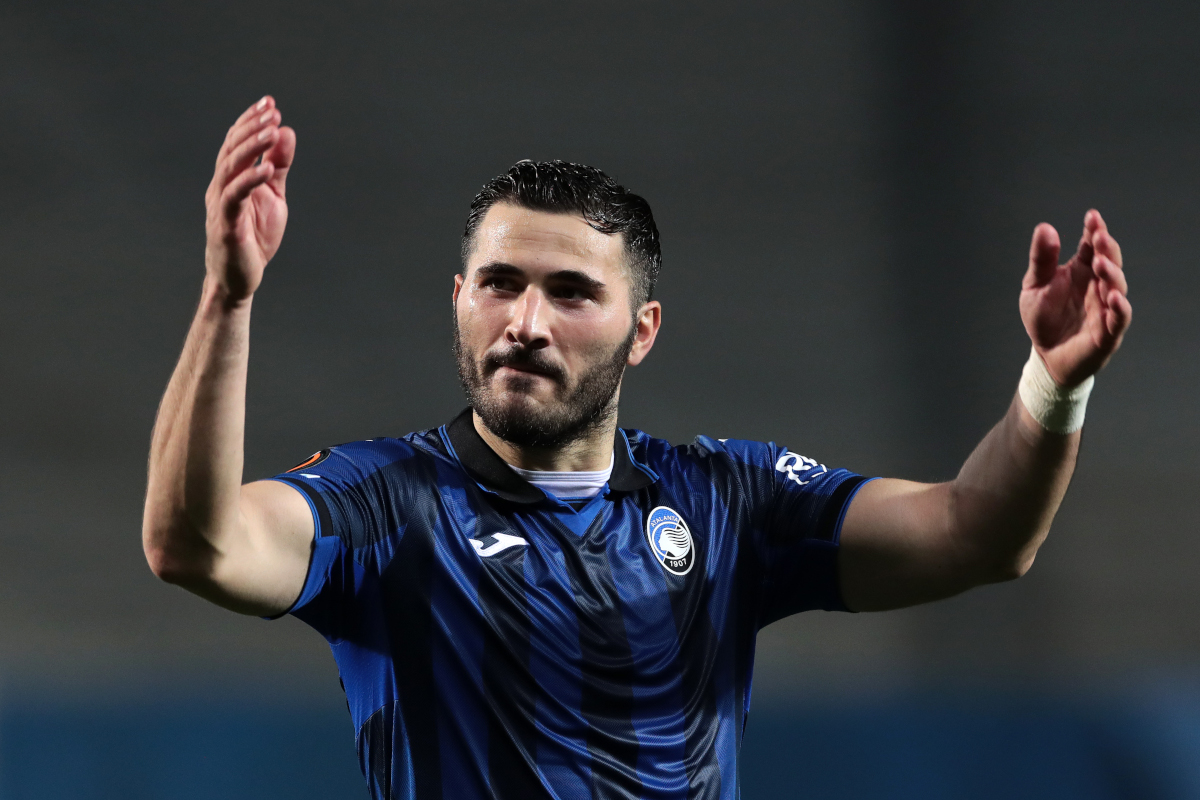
[529, 601]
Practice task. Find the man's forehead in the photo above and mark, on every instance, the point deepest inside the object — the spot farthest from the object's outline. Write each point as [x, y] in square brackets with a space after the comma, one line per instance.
[509, 232]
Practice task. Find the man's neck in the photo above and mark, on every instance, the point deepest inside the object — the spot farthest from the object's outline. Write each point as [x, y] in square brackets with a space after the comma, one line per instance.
[591, 453]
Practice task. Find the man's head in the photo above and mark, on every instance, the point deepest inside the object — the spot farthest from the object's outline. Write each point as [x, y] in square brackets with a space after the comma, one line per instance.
[578, 190]
[559, 262]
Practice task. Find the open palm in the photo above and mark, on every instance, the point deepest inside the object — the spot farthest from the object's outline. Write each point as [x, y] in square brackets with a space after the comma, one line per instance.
[246, 201]
[1075, 313]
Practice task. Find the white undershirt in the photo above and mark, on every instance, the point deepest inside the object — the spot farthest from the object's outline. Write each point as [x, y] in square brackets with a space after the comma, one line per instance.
[567, 484]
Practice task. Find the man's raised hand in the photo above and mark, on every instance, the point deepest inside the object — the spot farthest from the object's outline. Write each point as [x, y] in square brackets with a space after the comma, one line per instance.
[1075, 313]
[247, 210]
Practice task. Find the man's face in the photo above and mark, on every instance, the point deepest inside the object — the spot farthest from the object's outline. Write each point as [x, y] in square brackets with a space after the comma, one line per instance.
[544, 325]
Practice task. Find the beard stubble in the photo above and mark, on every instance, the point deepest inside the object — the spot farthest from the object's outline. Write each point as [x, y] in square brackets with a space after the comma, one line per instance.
[575, 413]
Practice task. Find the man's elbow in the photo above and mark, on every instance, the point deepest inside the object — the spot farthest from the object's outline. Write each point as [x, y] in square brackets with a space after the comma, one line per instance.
[168, 566]
[171, 559]
[164, 567]
[1012, 567]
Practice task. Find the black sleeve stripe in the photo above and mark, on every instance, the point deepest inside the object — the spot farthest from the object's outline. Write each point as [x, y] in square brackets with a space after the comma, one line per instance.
[324, 522]
[827, 524]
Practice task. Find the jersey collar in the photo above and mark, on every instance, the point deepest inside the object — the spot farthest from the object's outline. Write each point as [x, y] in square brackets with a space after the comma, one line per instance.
[492, 473]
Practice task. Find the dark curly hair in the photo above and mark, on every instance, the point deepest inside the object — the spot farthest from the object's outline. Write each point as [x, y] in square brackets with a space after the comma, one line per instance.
[566, 188]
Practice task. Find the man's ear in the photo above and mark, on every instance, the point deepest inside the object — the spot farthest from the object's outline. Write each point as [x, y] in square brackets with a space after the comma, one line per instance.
[649, 319]
[458, 283]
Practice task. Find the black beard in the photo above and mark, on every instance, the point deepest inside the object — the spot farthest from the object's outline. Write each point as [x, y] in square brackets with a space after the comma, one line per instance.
[577, 413]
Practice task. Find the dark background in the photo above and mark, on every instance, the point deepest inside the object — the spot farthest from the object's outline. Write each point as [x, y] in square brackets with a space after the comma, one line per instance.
[846, 192]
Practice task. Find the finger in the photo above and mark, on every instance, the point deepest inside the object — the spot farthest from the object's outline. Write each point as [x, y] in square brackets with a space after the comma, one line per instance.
[1092, 223]
[1106, 245]
[1119, 314]
[280, 156]
[243, 158]
[252, 144]
[235, 163]
[266, 103]
[1043, 256]
[247, 129]
[1110, 273]
[241, 187]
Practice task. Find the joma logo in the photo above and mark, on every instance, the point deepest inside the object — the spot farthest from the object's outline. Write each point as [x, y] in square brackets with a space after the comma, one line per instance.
[496, 543]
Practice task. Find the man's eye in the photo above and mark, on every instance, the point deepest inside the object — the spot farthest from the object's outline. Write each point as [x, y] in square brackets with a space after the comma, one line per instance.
[499, 284]
[571, 293]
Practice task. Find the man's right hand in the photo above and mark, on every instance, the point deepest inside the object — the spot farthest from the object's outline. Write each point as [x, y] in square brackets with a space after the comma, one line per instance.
[247, 209]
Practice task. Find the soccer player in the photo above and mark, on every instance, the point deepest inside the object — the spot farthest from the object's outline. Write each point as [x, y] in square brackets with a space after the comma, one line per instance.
[530, 602]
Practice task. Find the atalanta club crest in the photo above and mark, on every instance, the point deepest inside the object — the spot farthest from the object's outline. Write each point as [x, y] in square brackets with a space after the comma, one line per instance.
[670, 540]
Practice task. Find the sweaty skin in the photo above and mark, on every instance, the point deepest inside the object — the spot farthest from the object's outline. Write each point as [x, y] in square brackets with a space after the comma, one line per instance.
[550, 283]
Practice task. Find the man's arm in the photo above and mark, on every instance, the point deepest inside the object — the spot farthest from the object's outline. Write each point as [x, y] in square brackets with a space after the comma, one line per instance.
[243, 547]
[905, 543]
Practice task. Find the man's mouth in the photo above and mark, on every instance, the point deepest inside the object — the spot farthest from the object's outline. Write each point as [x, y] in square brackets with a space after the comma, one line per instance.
[527, 368]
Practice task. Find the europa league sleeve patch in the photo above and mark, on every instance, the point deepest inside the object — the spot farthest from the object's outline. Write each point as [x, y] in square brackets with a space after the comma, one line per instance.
[311, 461]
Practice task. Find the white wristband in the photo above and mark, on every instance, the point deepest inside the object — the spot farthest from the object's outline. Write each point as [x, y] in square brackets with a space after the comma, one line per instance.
[1056, 409]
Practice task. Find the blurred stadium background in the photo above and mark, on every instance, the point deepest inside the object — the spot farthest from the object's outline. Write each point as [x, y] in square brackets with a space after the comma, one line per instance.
[846, 192]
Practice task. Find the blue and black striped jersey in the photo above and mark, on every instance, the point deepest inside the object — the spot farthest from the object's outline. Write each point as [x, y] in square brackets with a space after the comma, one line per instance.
[497, 642]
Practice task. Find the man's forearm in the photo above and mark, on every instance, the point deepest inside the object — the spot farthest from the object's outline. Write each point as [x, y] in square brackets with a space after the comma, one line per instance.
[196, 450]
[1007, 493]
[905, 543]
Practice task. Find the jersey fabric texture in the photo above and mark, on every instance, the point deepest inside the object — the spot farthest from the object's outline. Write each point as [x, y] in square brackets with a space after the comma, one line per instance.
[496, 642]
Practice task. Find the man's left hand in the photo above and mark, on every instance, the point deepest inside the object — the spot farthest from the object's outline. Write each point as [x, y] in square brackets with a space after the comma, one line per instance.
[1075, 313]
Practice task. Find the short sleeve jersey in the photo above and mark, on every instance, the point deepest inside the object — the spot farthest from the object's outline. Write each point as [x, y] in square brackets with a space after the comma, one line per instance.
[497, 642]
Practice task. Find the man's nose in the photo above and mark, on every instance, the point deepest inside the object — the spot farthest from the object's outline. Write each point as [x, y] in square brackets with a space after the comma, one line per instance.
[528, 324]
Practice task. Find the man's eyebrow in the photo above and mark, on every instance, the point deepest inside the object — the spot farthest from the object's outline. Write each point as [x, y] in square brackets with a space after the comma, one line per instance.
[577, 277]
[498, 268]
[565, 275]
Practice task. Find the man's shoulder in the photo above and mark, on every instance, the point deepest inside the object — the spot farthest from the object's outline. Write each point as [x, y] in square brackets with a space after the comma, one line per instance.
[364, 457]
[702, 450]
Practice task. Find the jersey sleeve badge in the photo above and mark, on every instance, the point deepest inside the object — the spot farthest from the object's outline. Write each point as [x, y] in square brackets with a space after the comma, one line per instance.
[311, 461]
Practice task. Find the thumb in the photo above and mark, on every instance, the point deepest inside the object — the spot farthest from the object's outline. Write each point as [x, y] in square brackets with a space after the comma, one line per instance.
[280, 156]
[1043, 256]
